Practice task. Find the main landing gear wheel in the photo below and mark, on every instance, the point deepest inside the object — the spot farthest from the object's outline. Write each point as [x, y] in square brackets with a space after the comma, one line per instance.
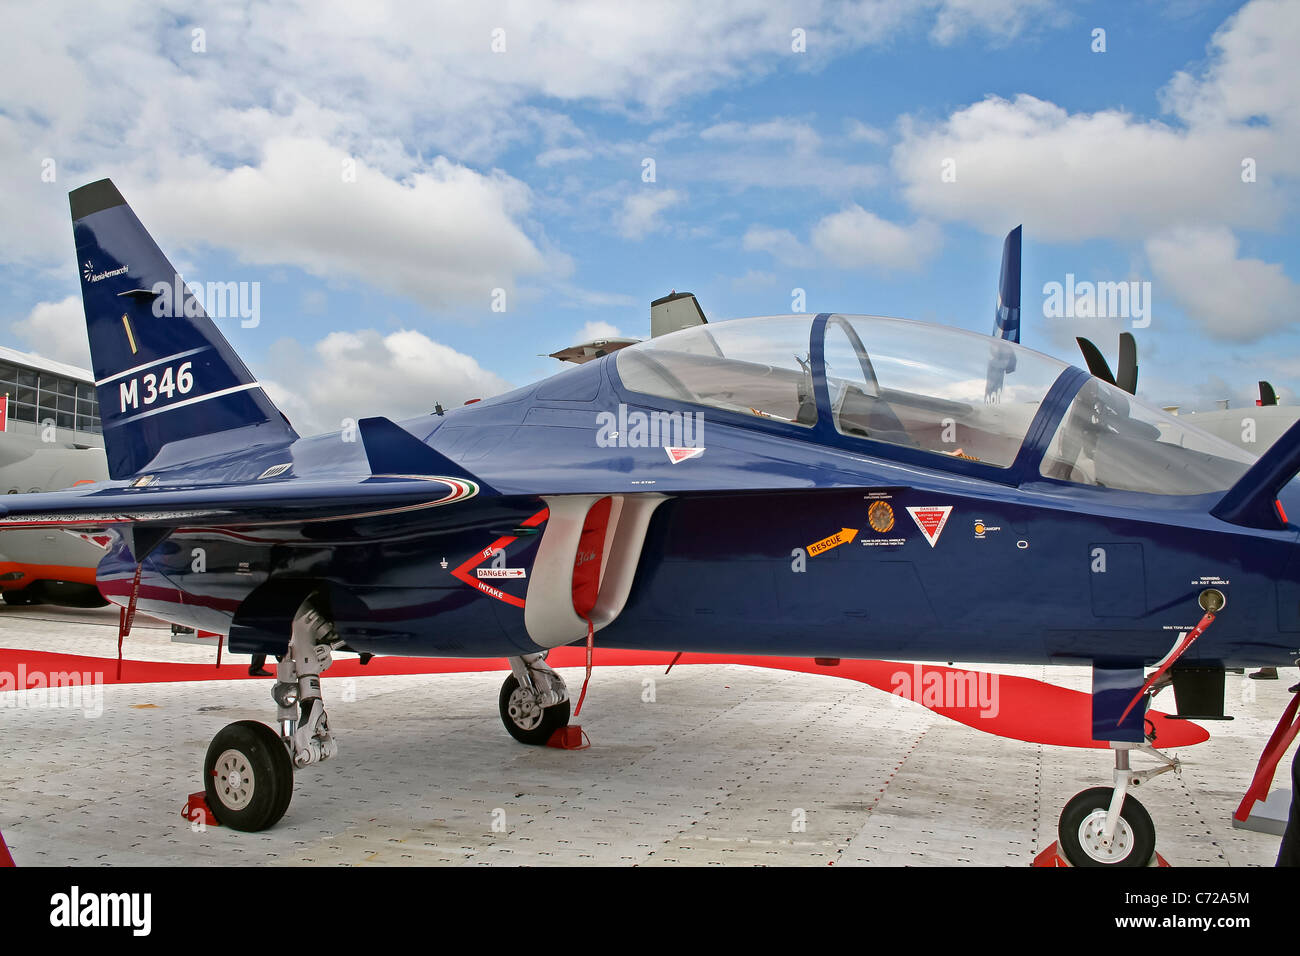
[1082, 827]
[248, 776]
[527, 722]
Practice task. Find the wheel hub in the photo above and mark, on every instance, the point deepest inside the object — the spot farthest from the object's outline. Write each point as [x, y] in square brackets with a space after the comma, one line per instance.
[523, 709]
[1092, 836]
[234, 778]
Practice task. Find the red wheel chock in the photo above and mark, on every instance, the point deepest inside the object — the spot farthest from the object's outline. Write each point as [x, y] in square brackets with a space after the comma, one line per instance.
[5, 858]
[569, 738]
[196, 808]
[1052, 857]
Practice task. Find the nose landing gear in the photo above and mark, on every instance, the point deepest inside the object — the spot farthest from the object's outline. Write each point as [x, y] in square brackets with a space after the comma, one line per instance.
[1106, 826]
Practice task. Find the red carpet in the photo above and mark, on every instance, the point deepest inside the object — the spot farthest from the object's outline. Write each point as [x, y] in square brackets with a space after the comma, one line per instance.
[1016, 707]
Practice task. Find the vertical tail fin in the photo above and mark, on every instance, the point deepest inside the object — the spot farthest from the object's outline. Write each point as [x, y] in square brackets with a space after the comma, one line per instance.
[164, 374]
[1006, 317]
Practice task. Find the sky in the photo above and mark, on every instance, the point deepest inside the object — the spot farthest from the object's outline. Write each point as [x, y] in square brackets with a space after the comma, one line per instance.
[429, 198]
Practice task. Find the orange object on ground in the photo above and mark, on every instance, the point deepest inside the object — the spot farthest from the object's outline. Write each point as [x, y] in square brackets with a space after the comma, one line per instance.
[1051, 857]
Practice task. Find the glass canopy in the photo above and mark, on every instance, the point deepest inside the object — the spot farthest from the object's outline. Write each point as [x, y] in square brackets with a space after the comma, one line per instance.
[934, 388]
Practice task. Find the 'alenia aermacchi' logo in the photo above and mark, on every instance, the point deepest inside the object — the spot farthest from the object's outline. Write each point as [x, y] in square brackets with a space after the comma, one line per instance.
[90, 275]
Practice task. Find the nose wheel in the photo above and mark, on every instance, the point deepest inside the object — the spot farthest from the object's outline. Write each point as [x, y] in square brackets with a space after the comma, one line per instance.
[1082, 831]
[1106, 826]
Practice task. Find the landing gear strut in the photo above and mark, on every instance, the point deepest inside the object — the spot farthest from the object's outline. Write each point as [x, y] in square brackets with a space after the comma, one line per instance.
[1105, 826]
[248, 771]
[534, 700]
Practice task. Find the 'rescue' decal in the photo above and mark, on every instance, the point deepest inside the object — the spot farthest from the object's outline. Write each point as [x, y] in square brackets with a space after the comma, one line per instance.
[843, 536]
[931, 520]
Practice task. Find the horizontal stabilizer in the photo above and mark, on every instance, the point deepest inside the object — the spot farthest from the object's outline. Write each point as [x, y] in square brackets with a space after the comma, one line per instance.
[392, 450]
[1252, 501]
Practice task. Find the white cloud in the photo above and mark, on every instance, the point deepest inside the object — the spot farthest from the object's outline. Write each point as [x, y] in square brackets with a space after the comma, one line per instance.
[1229, 297]
[1004, 19]
[855, 238]
[56, 330]
[781, 244]
[779, 153]
[359, 374]
[852, 238]
[1112, 174]
[753, 280]
[395, 86]
[639, 216]
[563, 154]
[860, 132]
[1080, 176]
[802, 137]
[598, 330]
[443, 235]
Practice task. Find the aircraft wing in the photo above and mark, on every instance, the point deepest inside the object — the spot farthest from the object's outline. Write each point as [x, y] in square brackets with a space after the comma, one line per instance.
[273, 502]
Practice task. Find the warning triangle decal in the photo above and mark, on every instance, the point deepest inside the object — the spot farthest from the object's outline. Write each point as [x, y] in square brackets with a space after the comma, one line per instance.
[676, 455]
[931, 521]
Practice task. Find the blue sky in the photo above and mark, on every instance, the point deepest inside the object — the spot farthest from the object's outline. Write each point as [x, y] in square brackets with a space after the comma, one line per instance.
[521, 169]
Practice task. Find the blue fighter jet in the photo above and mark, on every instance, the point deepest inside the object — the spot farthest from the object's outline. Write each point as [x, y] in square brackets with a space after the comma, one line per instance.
[831, 486]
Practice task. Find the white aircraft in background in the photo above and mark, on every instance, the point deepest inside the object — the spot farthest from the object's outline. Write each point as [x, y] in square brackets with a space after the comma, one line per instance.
[49, 439]
[675, 311]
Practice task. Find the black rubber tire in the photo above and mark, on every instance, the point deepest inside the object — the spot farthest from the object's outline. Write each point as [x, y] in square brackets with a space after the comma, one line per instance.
[22, 598]
[553, 718]
[1087, 802]
[272, 772]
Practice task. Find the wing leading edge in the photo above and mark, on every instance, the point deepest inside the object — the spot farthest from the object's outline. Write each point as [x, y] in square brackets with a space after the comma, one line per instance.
[285, 502]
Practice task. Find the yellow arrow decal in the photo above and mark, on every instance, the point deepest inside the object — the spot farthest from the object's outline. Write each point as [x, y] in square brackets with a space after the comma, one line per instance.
[843, 536]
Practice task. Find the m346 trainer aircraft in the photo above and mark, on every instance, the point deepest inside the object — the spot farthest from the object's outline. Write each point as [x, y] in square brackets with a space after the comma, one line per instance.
[832, 486]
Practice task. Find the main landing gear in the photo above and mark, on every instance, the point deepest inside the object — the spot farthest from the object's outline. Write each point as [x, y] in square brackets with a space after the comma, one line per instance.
[1105, 826]
[534, 700]
[248, 771]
